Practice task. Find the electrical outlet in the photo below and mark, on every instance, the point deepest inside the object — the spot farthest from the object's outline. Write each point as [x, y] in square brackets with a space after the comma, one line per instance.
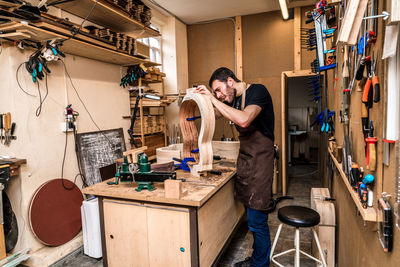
[64, 127]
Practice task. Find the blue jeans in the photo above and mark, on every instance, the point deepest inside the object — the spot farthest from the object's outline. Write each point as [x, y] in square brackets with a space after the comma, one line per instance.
[257, 222]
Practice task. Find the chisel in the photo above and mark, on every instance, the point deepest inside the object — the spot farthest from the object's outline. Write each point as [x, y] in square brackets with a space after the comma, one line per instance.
[1, 128]
[7, 126]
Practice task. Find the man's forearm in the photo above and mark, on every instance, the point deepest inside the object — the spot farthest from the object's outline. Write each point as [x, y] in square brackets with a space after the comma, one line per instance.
[236, 116]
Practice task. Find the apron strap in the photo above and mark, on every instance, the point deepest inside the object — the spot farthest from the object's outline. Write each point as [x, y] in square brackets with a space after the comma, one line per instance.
[243, 95]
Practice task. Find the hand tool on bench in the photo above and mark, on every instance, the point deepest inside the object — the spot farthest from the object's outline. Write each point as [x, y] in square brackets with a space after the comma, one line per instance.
[145, 177]
[184, 163]
[141, 174]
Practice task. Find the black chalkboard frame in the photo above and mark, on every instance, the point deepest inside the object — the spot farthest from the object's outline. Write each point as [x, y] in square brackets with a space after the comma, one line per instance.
[95, 151]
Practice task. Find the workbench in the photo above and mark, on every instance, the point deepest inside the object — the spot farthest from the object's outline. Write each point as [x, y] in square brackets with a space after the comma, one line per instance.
[14, 165]
[146, 229]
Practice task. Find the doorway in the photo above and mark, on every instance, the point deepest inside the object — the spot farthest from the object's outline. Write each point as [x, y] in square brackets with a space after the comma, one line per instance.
[301, 141]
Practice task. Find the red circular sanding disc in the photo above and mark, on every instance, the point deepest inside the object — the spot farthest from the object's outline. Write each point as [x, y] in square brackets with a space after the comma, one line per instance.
[55, 212]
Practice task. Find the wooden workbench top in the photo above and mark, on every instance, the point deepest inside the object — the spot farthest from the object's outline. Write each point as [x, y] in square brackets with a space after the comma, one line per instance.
[15, 162]
[196, 191]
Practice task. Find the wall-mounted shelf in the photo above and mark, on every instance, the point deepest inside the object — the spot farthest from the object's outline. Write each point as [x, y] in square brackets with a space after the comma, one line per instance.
[89, 48]
[105, 14]
[368, 214]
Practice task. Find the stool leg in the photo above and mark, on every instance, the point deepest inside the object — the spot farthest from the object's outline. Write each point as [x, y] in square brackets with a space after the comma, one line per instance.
[297, 247]
[275, 241]
[319, 248]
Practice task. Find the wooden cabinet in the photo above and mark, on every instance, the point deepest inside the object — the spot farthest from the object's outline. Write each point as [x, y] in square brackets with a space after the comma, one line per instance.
[138, 234]
[147, 229]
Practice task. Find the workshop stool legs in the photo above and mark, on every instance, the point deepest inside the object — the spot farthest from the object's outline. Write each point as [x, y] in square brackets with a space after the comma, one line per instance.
[296, 249]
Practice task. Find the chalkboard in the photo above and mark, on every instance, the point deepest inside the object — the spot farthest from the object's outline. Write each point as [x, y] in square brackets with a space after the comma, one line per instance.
[99, 149]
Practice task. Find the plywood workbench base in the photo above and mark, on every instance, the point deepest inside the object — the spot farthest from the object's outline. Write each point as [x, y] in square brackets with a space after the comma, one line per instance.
[146, 229]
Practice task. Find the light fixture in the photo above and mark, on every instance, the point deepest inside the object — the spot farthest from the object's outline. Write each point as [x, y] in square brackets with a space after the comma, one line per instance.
[152, 97]
[285, 13]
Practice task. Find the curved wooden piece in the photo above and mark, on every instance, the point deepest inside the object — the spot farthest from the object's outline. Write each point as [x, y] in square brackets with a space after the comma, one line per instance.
[192, 139]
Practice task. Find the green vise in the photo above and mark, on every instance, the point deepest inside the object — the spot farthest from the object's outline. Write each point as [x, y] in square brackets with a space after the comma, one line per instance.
[123, 175]
[144, 168]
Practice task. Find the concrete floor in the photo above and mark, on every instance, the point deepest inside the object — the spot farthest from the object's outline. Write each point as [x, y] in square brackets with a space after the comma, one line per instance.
[302, 179]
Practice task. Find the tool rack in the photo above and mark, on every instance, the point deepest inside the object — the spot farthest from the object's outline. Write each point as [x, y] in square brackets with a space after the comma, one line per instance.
[368, 214]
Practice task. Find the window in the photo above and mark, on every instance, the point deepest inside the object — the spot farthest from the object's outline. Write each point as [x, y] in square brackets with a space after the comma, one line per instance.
[155, 48]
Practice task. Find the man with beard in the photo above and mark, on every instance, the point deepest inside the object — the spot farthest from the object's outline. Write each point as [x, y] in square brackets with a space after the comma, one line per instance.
[250, 107]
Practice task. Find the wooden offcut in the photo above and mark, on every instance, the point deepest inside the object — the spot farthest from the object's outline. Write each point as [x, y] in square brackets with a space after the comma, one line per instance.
[173, 188]
[395, 11]
[192, 139]
[132, 154]
[326, 227]
[226, 149]
[356, 25]
[348, 20]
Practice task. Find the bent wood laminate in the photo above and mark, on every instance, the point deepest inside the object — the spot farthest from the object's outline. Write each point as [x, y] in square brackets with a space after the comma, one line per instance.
[192, 139]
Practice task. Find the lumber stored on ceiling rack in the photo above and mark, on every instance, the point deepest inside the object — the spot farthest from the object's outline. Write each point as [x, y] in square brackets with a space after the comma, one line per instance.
[74, 46]
[108, 16]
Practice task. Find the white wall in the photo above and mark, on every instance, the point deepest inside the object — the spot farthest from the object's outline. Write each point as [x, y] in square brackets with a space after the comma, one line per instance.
[175, 64]
[39, 139]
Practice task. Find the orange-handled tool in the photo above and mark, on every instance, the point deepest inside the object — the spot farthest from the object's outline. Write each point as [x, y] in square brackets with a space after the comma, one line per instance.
[377, 89]
[367, 87]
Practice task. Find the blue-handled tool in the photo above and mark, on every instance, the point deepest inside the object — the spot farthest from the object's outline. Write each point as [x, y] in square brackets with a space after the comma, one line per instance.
[183, 163]
[193, 118]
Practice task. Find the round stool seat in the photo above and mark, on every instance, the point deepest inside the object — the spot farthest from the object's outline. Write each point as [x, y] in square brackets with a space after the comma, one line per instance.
[298, 216]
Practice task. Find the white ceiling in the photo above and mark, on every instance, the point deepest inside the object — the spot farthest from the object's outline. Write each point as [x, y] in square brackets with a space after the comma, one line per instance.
[193, 11]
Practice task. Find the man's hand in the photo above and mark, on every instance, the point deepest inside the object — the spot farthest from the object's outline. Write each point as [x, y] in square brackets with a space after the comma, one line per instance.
[202, 89]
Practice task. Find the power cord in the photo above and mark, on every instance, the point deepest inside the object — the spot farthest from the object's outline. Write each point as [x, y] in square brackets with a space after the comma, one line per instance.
[41, 101]
[19, 84]
[83, 104]
[80, 174]
[74, 30]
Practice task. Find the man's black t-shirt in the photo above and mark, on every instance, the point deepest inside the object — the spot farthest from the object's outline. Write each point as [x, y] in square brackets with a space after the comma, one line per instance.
[257, 94]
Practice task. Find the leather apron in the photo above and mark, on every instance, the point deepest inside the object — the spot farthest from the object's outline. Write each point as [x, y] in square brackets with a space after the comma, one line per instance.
[255, 167]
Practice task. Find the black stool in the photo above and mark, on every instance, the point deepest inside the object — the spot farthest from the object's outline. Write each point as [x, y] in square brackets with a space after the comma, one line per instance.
[297, 216]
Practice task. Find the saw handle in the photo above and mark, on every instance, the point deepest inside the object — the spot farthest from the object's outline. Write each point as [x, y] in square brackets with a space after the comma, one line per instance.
[7, 122]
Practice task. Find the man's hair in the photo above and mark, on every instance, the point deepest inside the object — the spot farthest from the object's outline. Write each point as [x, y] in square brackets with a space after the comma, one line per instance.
[222, 74]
